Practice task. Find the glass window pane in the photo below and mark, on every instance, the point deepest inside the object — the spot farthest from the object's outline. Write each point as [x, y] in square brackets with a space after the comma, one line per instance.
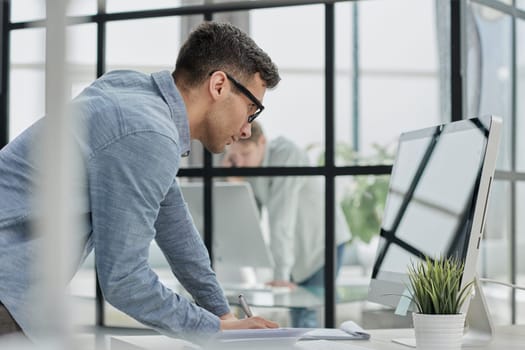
[361, 200]
[28, 71]
[29, 10]
[82, 7]
[134, 44]
[290, 232]
[137, 5]
[520, 248]
[346, 101]
[296, 107]
[27, 76]
[494, 88]
[398, 67]
[494, 247]
[520, 4]
[83, 291]
[81, 56]
[520, 94]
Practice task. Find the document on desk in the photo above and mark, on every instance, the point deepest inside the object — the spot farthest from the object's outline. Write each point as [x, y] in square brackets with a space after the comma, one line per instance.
[333, 334]
[348, 330]
[327, 345]
[257, 338]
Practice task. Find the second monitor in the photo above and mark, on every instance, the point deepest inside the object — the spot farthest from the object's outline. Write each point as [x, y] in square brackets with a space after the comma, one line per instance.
[237, 235]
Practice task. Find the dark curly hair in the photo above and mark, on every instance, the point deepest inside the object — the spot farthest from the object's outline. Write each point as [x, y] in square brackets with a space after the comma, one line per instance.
[216, 46]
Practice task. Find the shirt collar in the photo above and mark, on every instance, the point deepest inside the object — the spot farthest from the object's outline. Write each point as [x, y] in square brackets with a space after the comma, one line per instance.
[173, 98]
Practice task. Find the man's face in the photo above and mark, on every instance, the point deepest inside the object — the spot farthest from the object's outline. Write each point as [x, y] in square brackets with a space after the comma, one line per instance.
[227, 121]
[246, 153]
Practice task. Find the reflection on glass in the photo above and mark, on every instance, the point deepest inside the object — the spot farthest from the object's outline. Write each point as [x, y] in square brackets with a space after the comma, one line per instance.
[495, 95]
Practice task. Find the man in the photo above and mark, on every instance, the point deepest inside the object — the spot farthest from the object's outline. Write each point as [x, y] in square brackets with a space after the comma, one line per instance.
[295, 214]
[135, 129]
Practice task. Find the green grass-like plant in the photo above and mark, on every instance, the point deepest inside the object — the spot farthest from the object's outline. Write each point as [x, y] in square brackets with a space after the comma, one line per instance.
[435, 285]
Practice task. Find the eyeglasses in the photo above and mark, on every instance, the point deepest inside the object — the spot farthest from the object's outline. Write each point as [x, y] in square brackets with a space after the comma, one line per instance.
[248, 94]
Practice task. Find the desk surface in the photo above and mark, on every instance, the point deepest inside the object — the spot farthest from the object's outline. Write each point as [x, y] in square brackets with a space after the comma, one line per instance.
[507, 337]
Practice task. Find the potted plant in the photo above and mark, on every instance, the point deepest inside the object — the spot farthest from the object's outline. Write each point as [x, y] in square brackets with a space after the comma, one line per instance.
[436, 290]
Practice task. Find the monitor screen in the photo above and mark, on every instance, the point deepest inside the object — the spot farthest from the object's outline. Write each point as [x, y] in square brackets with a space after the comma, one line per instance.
[238, 239]
[436, 201]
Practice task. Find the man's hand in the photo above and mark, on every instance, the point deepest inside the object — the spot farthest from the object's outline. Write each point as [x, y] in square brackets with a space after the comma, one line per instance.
[229, 316]
[281, 283]
[247, 323]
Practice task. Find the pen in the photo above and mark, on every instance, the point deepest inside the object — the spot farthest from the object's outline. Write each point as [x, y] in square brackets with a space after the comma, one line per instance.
[244, 306]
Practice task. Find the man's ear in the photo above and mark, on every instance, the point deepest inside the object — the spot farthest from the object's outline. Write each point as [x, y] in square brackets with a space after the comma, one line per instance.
[216, 85]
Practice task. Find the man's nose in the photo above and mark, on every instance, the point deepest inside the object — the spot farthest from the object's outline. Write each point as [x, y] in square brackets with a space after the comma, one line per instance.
[246, 130]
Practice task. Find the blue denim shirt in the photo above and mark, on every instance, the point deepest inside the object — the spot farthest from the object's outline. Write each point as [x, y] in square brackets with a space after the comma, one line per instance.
[134, 129]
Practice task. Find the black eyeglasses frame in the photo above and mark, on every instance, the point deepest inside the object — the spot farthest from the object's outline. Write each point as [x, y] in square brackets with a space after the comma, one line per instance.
[248, 94]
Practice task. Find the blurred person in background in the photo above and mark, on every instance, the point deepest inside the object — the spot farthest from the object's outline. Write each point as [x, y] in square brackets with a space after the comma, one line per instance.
[295, 206]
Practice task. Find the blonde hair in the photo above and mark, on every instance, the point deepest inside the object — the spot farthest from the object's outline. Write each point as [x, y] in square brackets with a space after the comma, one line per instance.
[257, 132]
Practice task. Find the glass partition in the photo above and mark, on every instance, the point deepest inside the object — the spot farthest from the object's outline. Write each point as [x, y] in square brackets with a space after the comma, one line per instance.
[495, 83]
[494, 258]
[30, 10]
[520, 94]
[295, 109]
[27, 75]
[520, 259]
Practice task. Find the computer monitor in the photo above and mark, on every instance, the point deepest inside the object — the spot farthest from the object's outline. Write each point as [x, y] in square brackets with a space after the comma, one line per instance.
[436, 206]
[237, 235]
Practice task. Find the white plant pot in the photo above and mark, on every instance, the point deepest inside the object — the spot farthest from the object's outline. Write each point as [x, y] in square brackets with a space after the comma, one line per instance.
[438, 332]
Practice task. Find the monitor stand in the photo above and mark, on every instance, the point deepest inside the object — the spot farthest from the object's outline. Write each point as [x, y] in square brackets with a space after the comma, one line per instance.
[478, 329]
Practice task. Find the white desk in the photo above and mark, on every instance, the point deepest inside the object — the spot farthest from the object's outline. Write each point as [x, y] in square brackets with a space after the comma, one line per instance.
[506, 338]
